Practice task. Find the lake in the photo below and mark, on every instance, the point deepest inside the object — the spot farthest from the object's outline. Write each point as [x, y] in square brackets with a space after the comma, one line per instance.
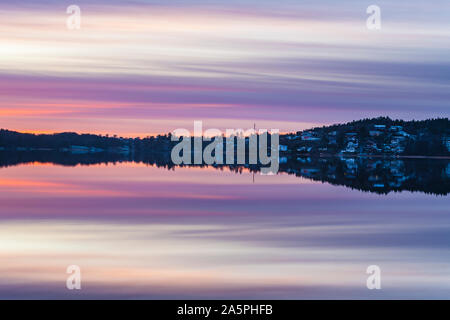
[138, 231]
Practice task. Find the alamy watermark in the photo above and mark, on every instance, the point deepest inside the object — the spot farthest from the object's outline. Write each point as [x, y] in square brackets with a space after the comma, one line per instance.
[373, 22]
[374, 280]
[73, 21]
[73, 282]
[241, 147]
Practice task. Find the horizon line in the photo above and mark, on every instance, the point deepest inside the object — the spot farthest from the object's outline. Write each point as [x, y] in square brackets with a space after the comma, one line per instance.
[41, 132]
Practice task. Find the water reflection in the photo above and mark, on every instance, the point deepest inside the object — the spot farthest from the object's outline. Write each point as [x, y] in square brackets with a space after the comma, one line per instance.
[139, 231]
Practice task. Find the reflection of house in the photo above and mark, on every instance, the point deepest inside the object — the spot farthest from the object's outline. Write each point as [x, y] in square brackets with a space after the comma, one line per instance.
[351, 164]
[403, 133]
[400, 138]
[79, 149]
[397, 149]
[371, 146]
[309, 171]
[83, 149]
[124, 149]
[396, 168]
[373, 165]
[349, 150]
[374, 174]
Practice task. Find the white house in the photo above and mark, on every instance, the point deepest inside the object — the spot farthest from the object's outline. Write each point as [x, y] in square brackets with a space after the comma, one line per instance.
[375, 133]
[396, 128]
[446, 141]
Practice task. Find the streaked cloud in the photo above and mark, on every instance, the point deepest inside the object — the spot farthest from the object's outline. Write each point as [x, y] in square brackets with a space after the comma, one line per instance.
[289, 62]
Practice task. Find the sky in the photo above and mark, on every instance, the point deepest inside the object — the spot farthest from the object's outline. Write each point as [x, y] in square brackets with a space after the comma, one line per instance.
[138, 68]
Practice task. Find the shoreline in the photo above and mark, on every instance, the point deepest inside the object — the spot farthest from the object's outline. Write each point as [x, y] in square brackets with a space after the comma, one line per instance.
[322, 155]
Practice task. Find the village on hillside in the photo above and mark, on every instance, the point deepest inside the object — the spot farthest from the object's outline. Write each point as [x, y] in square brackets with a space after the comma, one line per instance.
[372, 137]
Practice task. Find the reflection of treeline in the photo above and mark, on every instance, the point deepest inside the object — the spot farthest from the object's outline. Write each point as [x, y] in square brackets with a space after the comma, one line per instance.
[12, 158]
[378, 175]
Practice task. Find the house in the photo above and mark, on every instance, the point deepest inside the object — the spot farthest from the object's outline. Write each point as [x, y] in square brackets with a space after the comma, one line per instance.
[351, 136]
[375, 133]
[349, 150]
[396, 128]
[309, 136]
[332, 141]
[332, 133]
[283, 148]
[79, 149]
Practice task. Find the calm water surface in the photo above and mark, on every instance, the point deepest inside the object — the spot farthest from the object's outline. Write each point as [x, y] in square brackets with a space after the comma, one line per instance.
[138, 231]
